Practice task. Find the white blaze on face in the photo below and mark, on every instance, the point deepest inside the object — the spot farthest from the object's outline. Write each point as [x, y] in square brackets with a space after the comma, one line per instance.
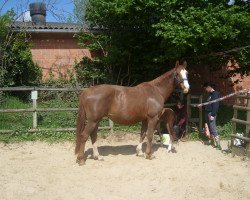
[183, 73]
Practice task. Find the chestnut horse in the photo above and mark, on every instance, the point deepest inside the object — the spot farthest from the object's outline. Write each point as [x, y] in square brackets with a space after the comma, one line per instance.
[126, 105]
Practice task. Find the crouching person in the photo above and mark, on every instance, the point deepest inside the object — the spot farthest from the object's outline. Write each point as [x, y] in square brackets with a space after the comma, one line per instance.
[181, 120]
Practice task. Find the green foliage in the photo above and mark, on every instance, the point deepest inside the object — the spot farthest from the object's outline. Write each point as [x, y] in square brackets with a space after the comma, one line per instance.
[143, 38]
[4, 20]
[17, 67]
[90, 72]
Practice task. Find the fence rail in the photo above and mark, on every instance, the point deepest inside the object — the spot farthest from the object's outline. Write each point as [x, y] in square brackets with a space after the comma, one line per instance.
[35, 110]
[40, 89]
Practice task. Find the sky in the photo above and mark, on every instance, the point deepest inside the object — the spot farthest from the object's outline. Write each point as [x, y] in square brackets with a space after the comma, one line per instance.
[57, 10]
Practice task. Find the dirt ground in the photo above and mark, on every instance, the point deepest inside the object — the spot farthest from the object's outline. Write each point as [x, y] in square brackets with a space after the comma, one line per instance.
[37, 170]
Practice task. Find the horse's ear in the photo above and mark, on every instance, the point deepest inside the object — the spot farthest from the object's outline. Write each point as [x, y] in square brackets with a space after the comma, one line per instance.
[185, 64]
[177, 64]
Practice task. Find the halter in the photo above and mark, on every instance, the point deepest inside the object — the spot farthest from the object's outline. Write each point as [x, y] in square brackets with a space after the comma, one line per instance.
[178, 79]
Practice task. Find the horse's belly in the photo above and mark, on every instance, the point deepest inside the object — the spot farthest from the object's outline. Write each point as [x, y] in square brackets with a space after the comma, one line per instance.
[125, 120]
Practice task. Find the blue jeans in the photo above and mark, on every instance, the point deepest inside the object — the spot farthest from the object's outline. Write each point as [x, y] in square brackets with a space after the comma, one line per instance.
[211, 125]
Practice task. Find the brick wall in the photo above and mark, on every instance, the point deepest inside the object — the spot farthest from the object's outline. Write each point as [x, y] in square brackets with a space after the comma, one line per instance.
[200, 74]
[57, 55]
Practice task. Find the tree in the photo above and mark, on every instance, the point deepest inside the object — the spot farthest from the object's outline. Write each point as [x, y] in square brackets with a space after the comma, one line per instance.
[142, 37]
[17, 67]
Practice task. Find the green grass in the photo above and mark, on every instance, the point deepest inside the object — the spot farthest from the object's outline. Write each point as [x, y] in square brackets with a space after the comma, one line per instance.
[16, 121]
[21, 122]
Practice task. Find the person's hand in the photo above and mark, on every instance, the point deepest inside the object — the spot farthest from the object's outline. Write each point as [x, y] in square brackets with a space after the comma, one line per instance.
[211, 118]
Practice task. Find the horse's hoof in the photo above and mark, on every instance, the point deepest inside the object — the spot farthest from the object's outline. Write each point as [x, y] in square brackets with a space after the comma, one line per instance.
[149, 157]
[99, 158]
[80, 162]
[170, 149]
[96, 157]
[139, 153]
[173, 151]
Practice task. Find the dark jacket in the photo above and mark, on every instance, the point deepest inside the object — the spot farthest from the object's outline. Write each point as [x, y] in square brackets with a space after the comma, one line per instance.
[214, 107]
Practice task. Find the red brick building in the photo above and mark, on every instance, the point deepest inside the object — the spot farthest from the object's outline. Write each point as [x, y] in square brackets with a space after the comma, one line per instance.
[54, 47]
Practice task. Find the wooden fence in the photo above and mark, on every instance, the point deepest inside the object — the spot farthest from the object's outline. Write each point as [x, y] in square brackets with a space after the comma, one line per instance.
[34, 110]
[194, 99]
[235, 121]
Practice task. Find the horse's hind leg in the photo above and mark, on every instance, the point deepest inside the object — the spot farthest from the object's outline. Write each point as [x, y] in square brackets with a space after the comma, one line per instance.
[89, 128]
[93, 137]
[158, 128]
[142, 136]
[171, 131]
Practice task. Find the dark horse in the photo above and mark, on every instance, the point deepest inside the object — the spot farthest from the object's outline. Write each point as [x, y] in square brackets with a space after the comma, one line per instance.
[168, 119]
[126, 105]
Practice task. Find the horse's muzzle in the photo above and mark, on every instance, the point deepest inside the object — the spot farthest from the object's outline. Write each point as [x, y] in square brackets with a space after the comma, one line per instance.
[186, 90]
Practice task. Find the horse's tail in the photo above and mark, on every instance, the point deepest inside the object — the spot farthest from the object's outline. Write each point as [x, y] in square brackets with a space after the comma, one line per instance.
[81, 118]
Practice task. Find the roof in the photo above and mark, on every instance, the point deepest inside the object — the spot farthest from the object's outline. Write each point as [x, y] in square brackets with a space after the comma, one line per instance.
[56, 27]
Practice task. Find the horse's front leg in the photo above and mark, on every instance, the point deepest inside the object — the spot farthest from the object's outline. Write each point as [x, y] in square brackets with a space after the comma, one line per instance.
[172, 136]
[142, 136]
[150, 132]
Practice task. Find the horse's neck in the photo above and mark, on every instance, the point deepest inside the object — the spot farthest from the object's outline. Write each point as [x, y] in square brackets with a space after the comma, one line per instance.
[164, 83]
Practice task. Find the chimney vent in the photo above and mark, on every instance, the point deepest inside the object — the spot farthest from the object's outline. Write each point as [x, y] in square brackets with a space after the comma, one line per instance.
[38, 13]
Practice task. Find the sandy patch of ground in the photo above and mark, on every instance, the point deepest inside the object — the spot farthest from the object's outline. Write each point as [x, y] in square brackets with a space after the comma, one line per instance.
[37, 170]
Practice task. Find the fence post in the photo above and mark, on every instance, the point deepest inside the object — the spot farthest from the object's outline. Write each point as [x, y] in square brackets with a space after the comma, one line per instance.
[235, 116]
[34, 95]
[111, 125]
[248, 113]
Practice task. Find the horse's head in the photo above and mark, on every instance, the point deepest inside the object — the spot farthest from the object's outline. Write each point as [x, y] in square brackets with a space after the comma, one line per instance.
[180, 76]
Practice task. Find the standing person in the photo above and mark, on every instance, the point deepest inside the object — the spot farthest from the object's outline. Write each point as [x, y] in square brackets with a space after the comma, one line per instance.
[211, 111]
[181, 119]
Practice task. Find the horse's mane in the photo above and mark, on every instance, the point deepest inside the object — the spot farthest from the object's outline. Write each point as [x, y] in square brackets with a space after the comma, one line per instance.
[159, 79]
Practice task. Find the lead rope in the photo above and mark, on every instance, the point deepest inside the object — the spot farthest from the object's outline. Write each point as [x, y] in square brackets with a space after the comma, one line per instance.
[222, 98]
